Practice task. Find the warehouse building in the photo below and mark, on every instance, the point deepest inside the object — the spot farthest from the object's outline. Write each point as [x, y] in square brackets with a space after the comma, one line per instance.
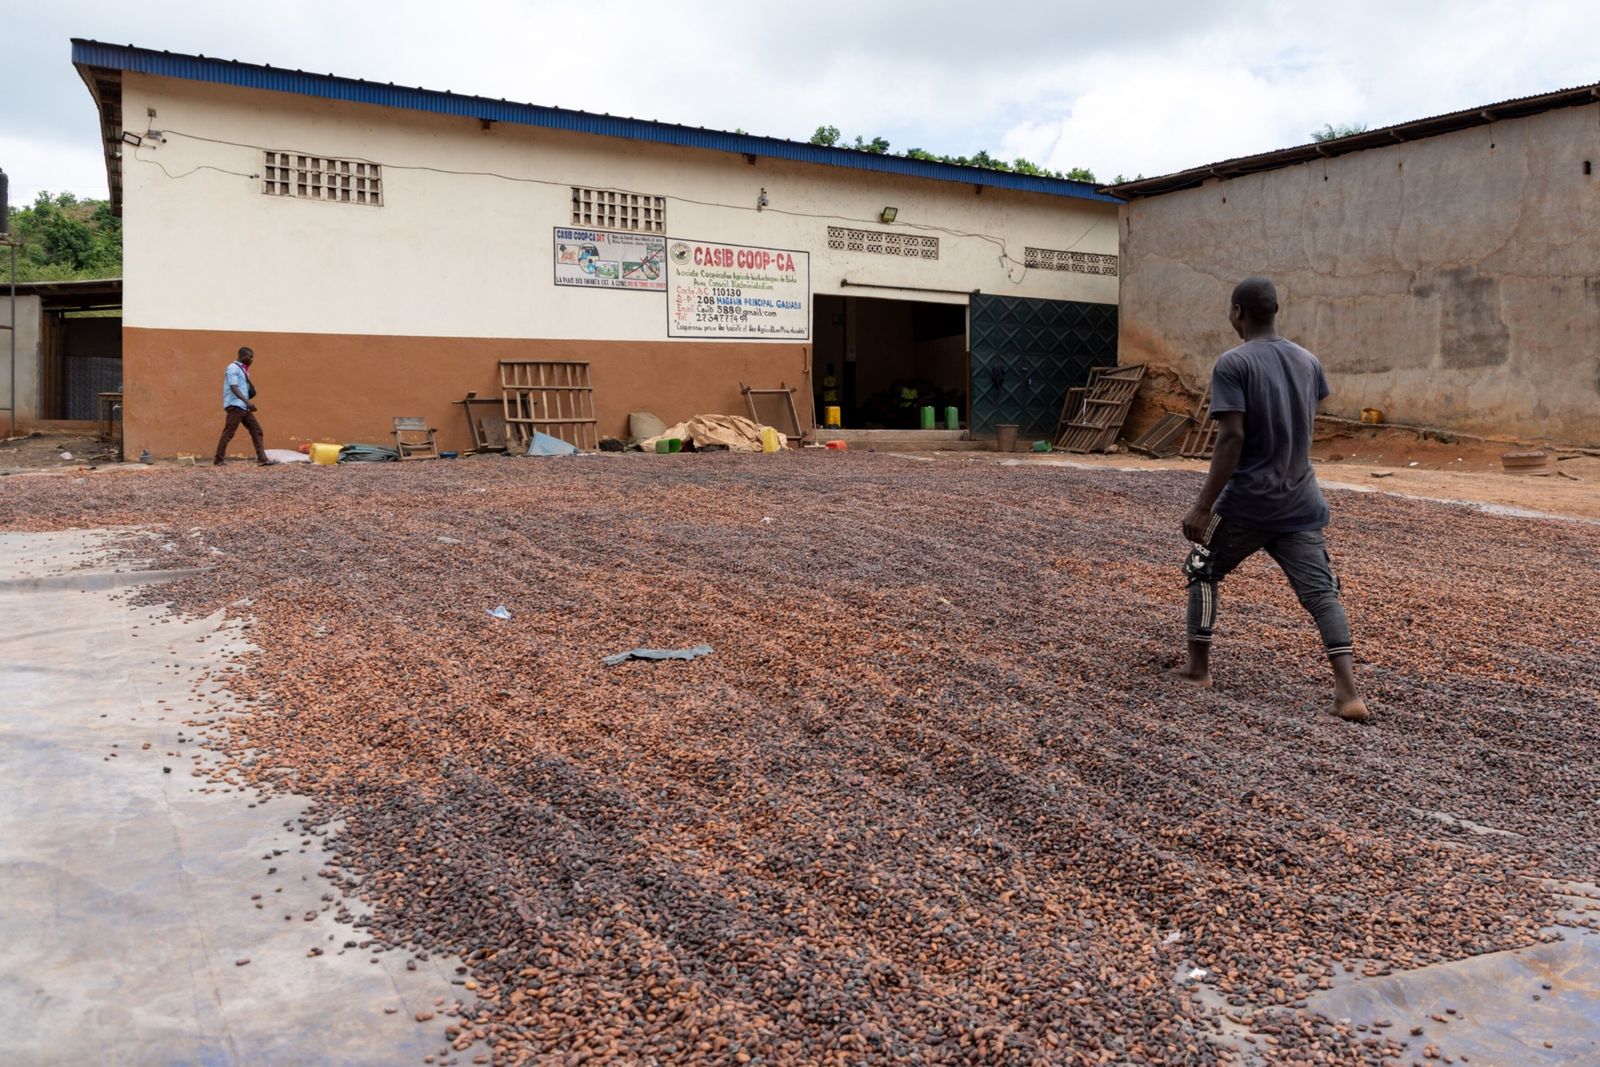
[383, 248]
[1447, 271]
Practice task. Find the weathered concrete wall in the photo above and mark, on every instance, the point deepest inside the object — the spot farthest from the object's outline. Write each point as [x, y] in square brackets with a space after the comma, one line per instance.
[1453, 281]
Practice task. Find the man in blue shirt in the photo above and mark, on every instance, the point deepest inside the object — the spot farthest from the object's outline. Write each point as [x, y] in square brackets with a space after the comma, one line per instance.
[1261, 493]
[237, 394]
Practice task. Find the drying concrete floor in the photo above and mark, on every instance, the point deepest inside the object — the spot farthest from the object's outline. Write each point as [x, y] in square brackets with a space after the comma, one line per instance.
[126, 891]
[127, 894]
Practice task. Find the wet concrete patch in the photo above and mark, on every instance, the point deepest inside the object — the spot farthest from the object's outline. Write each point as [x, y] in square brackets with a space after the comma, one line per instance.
[149, 913]
[1536, 1005]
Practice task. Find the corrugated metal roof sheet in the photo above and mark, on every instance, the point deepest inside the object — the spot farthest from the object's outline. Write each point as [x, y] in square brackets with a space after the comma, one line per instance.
[329, 86]
[77, 293]
[1414, 130]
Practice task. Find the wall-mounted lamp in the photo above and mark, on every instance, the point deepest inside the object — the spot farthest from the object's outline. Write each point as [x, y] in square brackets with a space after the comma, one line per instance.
[761, 201]
[889, 214]
[129, 137]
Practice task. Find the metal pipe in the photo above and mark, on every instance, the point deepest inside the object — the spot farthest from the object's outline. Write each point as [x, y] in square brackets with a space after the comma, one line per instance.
[11, 328]
[846, 283]
[12, 397]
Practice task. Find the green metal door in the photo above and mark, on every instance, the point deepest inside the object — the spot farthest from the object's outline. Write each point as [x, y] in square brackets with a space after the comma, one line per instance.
[1026, 354]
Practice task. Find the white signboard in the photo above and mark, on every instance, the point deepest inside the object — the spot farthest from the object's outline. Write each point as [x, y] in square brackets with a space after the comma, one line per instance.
[606, 260]
[737, 291]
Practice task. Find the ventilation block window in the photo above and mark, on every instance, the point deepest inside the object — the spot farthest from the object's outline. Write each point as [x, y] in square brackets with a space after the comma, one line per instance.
[607, 209]
[882, 243]
[1076, 262]
[343, 181]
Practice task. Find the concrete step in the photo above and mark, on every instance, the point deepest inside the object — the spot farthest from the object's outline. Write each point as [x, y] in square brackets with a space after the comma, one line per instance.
[906, 440]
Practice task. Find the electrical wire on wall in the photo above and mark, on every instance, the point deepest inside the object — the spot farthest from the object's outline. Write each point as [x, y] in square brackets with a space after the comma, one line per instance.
[1007, 263]
[192, 170]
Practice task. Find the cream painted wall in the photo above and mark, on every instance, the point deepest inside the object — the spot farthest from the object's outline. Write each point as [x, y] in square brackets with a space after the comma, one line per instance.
[27, 370]
[471, 256]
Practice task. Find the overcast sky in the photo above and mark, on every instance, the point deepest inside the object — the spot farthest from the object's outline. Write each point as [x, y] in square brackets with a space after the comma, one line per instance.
[1125, 87]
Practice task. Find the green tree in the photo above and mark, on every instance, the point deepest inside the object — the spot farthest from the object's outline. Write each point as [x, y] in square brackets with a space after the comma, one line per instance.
[60, 237]
[829, 136]
[1330, 132]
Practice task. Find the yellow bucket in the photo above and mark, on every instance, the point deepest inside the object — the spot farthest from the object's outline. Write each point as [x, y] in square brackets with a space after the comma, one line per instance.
[769, 439]
[325, 454]
[1372, 416]
[830, 416]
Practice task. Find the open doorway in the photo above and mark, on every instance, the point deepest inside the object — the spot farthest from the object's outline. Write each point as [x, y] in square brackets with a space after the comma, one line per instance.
[81, 357]
[881, 361]
[80, 349]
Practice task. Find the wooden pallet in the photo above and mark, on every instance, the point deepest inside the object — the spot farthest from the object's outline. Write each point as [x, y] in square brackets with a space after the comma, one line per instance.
[1165, 438]
[1102, 410]
[1072, 403]
[1201, 440]
[554, 398]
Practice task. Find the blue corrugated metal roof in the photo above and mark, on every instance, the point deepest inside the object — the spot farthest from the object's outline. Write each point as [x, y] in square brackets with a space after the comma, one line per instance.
[333, 87]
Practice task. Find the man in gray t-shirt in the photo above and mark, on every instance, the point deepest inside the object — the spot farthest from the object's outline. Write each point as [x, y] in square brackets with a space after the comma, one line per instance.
[1261, 493]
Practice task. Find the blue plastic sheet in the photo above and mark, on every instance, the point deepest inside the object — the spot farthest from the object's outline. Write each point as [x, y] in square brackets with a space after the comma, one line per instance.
[545, 445]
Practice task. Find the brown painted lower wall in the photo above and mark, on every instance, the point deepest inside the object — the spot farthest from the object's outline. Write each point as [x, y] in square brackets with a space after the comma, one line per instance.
[350, 387]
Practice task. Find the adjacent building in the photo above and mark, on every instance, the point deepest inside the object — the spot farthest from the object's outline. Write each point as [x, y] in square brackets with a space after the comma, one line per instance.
[382, 248]
[1447, 271]
[68, 338]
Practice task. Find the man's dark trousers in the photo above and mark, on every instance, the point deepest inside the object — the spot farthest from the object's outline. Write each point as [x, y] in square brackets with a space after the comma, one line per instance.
[1303, 557]
[237, 416]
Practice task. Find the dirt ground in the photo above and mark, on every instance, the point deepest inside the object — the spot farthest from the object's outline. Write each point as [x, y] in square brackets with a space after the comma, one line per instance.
[930, 797]
[1443, 481]
[1403, 463]
[40, 452]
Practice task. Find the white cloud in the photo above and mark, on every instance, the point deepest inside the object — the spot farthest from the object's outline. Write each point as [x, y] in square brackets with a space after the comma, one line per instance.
[1173, 115]
[34, 166]
[1034, 141]
[1238, 90]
